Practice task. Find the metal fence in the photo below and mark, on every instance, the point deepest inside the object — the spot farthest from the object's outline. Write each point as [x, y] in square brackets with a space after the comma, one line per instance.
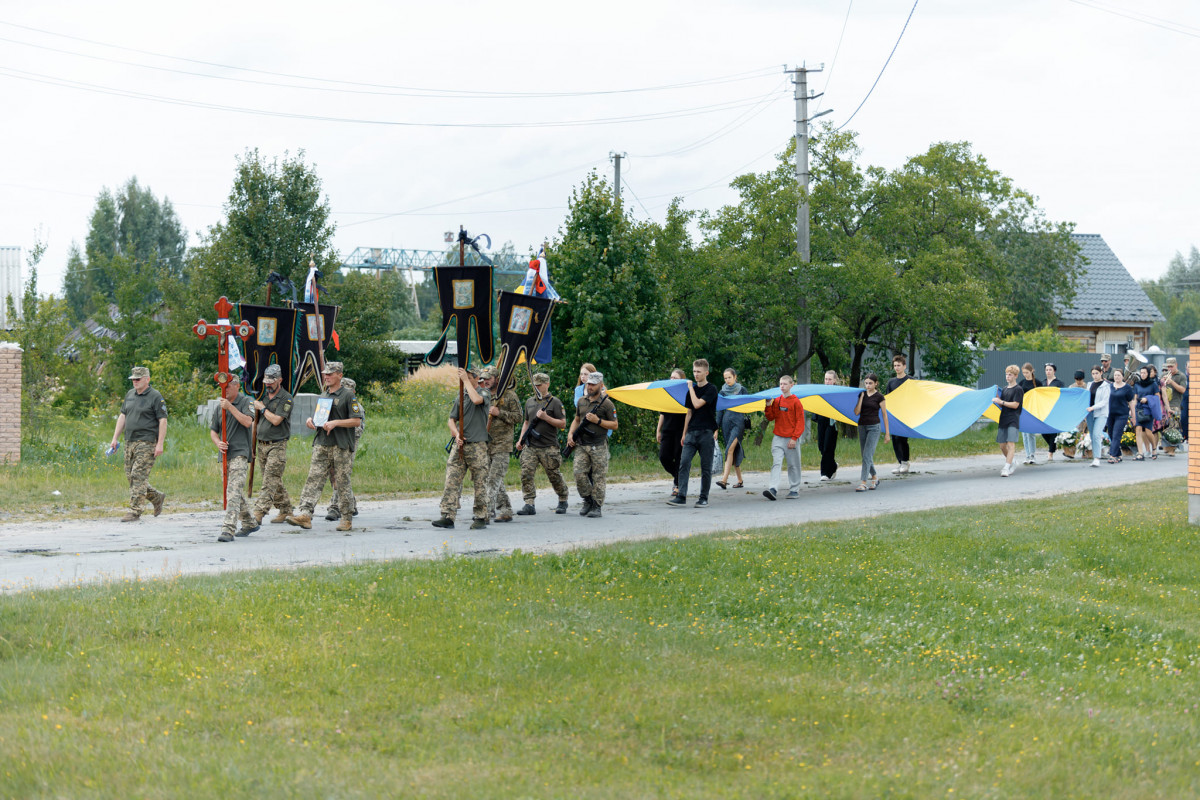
[994, 362]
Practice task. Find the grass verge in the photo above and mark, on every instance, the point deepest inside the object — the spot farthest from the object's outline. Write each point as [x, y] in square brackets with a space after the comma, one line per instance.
[1043, 649]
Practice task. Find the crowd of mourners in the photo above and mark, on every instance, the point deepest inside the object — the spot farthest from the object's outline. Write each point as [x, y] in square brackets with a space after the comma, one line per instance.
[483, 425]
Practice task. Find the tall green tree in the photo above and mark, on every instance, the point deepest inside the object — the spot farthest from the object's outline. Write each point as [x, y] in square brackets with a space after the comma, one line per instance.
[131, 224]
[604, 269]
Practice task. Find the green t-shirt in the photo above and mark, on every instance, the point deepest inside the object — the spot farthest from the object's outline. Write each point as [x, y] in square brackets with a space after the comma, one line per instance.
[475, 417]
[236, 434]
[142, 413]
[345, 406]
[281, 404]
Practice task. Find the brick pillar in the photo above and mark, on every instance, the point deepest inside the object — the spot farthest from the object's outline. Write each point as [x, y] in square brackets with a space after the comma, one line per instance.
[1193, 401]
[10, 403]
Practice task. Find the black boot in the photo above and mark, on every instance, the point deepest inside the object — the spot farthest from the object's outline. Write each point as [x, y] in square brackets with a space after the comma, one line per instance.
[333, 514]
[562, 507]
[587, 506]
[595, 512]
[527, 511]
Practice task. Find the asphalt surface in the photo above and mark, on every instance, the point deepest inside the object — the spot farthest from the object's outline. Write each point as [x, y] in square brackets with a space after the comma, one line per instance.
[72, 552]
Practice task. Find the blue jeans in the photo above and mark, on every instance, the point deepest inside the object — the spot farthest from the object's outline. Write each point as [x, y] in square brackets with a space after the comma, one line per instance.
[1096, 427]
[868, 439]
[1030, 442]
[696, 442]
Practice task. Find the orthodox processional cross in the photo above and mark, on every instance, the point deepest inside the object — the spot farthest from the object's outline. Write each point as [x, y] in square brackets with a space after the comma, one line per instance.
[223, 331]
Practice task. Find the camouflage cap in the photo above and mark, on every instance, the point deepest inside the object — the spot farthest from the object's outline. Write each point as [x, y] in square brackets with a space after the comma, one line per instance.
[487, 372]
[350, 383]
[541, 378]
[332, 366]
[273, 371]
[596, 377]
[139, 372]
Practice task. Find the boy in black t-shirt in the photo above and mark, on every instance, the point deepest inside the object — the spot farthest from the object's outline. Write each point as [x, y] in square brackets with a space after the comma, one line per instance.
[899, 443]
[1009, 400]
[699, 434]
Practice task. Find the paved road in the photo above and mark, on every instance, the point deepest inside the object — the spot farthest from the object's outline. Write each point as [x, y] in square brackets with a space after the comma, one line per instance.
[50, 554]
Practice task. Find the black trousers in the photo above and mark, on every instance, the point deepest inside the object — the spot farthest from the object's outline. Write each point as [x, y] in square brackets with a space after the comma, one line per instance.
[669, 450]
[827, 436]
[1049, 439]
[900, 447]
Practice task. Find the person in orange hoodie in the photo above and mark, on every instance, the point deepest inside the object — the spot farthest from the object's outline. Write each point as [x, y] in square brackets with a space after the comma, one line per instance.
[788, 414]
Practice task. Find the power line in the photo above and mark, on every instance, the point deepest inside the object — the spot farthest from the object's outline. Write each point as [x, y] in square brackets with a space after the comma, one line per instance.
[725, 129]
[102, 89]
[1145, 19]
[464, 93]
[836, 50]
[635, 197]
[885, 65]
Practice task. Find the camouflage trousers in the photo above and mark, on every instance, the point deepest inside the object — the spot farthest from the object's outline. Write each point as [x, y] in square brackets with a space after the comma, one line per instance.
[139, 458]
[591, 471]
[336, 500]
[272, 459]
[497, 469]
[329, 462]
[236, 504]
[456, 469]
[551, 461]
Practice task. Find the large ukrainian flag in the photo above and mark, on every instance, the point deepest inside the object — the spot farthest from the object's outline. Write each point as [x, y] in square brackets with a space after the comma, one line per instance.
[1049, 409]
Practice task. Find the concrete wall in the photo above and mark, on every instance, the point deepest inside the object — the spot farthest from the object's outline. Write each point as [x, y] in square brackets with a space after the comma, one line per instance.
[10, 284]
[303, 406]
[10, 403]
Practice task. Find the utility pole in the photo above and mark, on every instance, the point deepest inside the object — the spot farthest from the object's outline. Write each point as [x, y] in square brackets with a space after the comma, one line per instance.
[803, 331]
[616, 159]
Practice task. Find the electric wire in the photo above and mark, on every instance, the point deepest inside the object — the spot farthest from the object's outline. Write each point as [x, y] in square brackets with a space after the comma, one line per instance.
[1145, 19]
[885, 65]
[836, 50]
[466, 93]
[102, 89]
[725, 129]
[625, 183]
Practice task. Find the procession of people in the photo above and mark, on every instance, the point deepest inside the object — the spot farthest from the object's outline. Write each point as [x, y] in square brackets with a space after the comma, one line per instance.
[483, 424]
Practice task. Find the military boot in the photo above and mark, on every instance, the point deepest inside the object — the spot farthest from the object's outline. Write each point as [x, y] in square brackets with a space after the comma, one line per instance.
[333, 514]
[344, 525]
[281, 517]
[562, 507]
[527, 511]
[587, 506]
[300, 521]
[157, 502]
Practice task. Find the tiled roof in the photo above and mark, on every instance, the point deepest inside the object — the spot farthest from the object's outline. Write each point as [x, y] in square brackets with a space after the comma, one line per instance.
[1106, 291]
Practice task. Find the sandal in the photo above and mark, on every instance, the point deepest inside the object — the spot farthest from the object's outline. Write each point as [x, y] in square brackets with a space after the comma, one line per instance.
[737, 485]
[722, 484]
[1140, 457]
[874, 484]
[1154, 457]
[862, 487]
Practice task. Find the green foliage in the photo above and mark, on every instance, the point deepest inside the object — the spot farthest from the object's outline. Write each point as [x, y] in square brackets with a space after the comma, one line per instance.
[364, 324]
[1045, 340]
[604, 270]
[135, 227]
[950, 360]
[1177, 296]
[182, 386]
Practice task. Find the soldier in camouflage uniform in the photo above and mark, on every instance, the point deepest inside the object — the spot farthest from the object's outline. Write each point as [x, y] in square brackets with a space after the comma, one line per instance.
[143, 419]
[504, 415]
[335, 502]
[331, 449]
[595, 416]
[544, 413]
[238, 412]
[467, 451]
[273, 432]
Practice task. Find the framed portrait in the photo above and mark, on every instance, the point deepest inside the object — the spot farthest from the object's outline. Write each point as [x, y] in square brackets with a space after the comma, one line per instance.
[520, 319]
[316, 327]
[268, 327]
[464, 294]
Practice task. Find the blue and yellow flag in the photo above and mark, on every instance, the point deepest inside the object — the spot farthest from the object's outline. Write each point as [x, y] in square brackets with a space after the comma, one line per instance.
[1049, 409]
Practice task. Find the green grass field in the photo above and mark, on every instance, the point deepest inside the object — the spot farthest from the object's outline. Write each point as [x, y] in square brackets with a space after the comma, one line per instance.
[1036, 649]
[401, 455]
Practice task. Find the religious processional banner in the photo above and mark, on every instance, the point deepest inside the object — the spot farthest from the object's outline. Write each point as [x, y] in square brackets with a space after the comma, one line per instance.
[465, 296]
[312, 337]
[274, 342]
[524, 323]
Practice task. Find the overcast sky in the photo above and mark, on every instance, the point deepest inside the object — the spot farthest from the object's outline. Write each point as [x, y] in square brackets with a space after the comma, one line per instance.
[1088, 104]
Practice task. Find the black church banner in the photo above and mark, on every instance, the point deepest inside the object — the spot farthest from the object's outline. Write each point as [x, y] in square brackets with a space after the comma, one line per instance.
[465, 296]
[273, 342]
[312, 337]
[524, 320]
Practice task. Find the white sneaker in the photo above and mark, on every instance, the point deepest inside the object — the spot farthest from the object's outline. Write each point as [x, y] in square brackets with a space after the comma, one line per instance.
[1006, 470]
[1095, 462]
[899, 470]
[905, 467]
[824, 477]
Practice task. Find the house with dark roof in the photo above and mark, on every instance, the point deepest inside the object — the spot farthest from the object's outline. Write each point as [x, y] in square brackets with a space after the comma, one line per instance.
[1110, 312]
